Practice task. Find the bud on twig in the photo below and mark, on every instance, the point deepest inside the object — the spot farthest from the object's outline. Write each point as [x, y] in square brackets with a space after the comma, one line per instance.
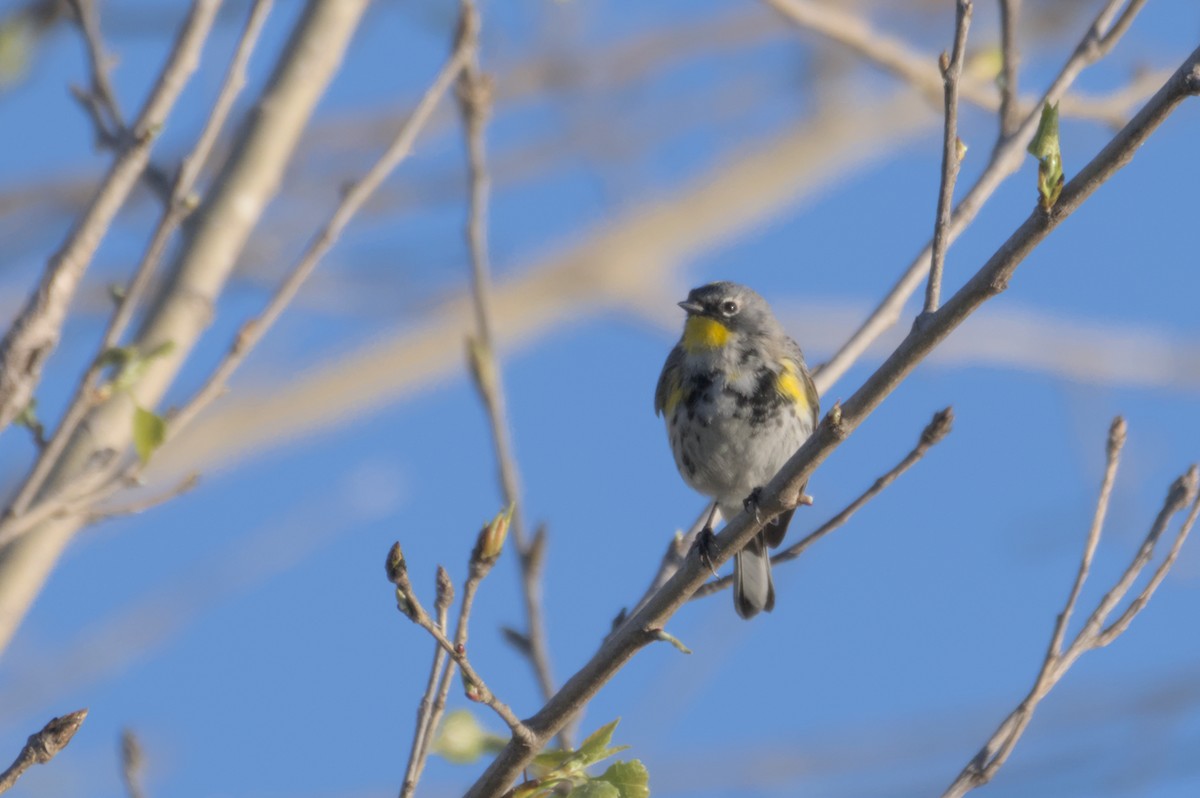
[939, 427]
[397, 570]
[1116, 436]
[491, 538]
[445, 591]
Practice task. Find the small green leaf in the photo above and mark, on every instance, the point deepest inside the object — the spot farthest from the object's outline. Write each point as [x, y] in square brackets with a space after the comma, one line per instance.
[28, 419]
[17, 39]
[630, 778]
[594, 788]
[149, 432]
[462, 740]
[597, 741]
[116, 357]
[1045, 147]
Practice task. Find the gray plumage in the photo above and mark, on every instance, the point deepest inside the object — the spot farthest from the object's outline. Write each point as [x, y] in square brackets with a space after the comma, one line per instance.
[738, 402]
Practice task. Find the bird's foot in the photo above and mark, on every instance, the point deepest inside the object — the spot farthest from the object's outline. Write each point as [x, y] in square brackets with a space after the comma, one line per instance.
[704, 547]
[750, 504]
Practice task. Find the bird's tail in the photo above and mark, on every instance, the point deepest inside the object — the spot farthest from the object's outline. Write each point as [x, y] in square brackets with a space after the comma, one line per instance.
[753, 590]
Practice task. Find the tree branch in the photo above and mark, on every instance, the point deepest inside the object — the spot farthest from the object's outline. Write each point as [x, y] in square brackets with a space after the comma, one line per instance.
[40, 748]
[1006, 159]
[475, 96]
[937, 429]
[211, 244]
[784, 490]
[992, 756]
[179, 205]
[951, 156]
[35, 333]
[427, 718]
[1010, 11]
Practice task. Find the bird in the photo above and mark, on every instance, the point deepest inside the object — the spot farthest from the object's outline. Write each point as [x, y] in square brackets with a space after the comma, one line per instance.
[738, 401]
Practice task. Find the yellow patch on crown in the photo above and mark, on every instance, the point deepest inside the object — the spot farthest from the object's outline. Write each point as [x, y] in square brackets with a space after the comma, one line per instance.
[789, 384]
[702, 333]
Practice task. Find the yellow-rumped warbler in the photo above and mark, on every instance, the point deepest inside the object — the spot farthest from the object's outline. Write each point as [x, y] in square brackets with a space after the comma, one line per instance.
[738, 402]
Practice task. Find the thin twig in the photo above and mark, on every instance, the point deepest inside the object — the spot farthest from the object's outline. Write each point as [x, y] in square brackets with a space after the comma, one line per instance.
[937, 429]
[784, 491]
[99, 61]
[918, 70]
[475, 104]
[1116, 442]
[992, 756]
[101, 514]
[426, 722]
[1010, 61]
[35, 333]
[179, 206]
[43, 746]
[1101, 35]
[132, 763]
[951, 68]
[410, 605]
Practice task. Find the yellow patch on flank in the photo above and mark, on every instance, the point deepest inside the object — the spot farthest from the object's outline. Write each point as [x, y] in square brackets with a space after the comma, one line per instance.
[704, 333]
[788, 383]
[673, 399]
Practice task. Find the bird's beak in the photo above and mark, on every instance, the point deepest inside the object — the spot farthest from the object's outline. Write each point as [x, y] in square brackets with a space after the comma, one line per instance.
[691, 307]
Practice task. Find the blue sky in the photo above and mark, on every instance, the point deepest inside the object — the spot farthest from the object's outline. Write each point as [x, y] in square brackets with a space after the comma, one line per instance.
[246, 633]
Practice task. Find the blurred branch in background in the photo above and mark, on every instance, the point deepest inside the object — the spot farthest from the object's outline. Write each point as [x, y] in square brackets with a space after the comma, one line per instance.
[183, 309]
[475, 106]
[1101, 36]
[35, 333]
[133, 762]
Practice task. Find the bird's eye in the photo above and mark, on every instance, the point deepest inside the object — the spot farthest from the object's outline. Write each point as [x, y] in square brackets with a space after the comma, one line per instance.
[729, 307]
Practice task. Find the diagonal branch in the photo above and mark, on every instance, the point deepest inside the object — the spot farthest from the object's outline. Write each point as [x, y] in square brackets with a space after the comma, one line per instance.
[179, 206]
[43, 746]
[1099, 39]
[995, 752]
[784, 490]
[35, 333]
[937, 429]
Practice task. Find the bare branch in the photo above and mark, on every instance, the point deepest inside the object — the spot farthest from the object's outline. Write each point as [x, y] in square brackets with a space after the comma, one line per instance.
[785, 489]
[951, 156]
[132, 763]
[1010, 11]
[105, 99]
[248, 180]
[179, 206]
[426, 720]
[40, 748]
[253, 331]
[101, 514]
[475, 105]
[934, 432]
[1116, 442]
[410, 605]
[35, 333]
[1005, 160]
[995, 752]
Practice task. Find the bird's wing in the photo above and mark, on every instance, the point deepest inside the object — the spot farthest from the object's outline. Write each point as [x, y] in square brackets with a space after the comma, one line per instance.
[669, 390]
[794, 358]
